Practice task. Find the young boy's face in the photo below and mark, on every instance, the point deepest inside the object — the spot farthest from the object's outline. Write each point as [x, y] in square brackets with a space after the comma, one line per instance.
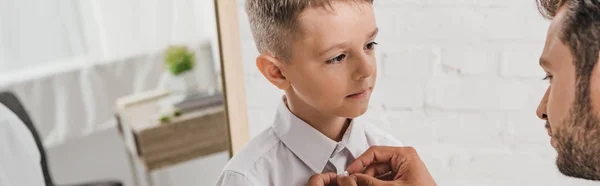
[332, 66]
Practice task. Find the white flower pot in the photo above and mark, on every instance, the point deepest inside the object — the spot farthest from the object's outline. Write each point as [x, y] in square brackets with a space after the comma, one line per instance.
[184, 83]
[179, 86]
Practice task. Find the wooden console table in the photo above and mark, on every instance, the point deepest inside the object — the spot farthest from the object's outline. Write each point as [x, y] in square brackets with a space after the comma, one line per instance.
[157, 145]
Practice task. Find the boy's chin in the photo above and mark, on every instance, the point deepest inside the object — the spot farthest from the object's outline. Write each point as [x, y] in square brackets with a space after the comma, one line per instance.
[354, 111]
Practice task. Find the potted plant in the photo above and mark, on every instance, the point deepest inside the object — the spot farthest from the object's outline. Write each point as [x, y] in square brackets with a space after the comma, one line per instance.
[180, 63]
[179, 60]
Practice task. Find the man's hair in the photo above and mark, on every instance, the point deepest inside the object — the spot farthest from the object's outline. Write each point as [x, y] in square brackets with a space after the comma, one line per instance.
[580, 31]
[273, 22]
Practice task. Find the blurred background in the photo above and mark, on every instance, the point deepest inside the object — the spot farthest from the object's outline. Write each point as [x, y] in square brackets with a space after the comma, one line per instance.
[458, 79]
[69, 61]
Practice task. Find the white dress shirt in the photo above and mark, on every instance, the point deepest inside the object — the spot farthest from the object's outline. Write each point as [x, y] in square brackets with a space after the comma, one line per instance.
[19, 156]
[291, 151]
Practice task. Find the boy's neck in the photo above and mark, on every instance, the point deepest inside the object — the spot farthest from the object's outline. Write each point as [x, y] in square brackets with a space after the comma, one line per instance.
[331, 126]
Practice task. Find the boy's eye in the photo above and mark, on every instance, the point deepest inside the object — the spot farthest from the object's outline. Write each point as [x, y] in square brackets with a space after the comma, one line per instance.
[337, 59]
[371, 45]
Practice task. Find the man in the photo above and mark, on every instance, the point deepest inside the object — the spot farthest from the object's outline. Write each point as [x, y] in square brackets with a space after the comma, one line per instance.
[19, 156]
[570, 106]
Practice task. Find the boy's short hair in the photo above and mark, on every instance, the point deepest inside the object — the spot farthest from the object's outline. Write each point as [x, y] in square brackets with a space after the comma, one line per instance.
[273, 22]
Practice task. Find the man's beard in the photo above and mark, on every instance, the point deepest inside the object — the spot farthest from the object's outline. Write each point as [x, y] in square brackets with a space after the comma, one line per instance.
[579, 140]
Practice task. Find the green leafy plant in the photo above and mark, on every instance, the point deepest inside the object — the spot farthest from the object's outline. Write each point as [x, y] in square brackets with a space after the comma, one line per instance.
[164, 120]
[179, 59]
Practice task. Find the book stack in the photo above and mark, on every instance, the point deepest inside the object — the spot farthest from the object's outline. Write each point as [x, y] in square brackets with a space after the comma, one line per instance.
[200, 101]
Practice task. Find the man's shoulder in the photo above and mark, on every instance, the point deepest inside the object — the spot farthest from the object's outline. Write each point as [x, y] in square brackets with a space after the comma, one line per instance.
[259, 147]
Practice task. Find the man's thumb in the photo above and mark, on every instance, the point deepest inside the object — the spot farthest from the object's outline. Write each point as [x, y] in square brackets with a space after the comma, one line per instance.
[366, 180]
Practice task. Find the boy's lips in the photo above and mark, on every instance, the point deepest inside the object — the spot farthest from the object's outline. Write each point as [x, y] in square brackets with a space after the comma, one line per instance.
[360, 94]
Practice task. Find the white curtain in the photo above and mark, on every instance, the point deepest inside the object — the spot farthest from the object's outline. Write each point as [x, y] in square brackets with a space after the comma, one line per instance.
[42, 32]
[126, 27]
[35, 32]
[69, 60]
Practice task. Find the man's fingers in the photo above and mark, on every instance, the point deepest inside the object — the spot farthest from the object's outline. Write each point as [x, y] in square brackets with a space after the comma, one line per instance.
[387, 177]
[346, 181]
[378, 169]
[373, 154]
[404, 163]
[366, 180]
[323, 179]
[378, 154]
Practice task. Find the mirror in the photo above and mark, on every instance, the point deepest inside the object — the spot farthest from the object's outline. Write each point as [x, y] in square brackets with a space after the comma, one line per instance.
[142, 92]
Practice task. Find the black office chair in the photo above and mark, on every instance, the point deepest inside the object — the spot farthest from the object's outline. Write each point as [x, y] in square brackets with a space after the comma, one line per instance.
[13, 103]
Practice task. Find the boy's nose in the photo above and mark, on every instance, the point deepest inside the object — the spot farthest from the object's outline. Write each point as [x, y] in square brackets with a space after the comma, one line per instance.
[365, 68]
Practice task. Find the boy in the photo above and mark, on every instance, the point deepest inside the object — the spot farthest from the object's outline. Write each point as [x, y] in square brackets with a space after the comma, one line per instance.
[320, 52]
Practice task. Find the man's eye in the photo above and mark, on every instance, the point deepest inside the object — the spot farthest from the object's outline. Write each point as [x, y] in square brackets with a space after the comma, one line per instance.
[371, 45]
[337, 59]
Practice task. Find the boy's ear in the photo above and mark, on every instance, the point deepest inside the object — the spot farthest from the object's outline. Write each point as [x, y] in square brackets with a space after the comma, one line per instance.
[270, 68]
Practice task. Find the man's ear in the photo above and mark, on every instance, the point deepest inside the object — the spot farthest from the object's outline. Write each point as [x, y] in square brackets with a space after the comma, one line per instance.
[270, 68]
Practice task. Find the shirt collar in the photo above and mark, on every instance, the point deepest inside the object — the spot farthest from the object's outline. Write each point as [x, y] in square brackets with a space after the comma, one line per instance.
[310, 145]
[355, 139]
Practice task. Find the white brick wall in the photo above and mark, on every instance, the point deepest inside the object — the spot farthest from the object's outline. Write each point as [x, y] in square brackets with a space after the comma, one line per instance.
[460, 81]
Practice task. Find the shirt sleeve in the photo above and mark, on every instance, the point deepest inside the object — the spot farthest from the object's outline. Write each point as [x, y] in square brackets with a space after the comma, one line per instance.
[232, 178]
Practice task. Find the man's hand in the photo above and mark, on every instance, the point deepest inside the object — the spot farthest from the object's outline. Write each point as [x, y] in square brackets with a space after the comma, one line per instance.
[399, 166]
[330, 178]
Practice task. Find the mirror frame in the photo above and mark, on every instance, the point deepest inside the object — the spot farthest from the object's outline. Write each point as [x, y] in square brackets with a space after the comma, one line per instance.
[234, 86]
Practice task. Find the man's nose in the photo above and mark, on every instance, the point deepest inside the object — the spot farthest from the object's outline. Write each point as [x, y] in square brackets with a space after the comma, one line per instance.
[542, 108]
